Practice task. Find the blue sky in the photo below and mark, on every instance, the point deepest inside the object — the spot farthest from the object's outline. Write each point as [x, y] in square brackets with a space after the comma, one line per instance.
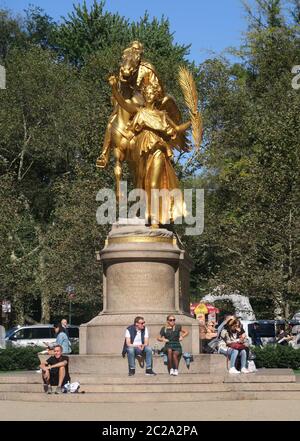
[209, 25]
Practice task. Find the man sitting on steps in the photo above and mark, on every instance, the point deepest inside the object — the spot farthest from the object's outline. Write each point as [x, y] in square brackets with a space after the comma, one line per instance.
[137, 345]
[55, 372]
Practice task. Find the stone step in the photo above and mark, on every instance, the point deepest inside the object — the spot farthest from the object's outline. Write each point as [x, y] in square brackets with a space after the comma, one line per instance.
[261, 376]
[35, 378]
[136, 397]
[110, 364]
[161, 388]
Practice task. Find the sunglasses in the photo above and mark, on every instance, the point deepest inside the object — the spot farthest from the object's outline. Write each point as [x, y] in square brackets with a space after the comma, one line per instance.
[172, 320]
[141, 323]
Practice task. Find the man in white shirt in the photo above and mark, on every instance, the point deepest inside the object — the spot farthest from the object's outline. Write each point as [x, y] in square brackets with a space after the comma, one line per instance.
[137, 345]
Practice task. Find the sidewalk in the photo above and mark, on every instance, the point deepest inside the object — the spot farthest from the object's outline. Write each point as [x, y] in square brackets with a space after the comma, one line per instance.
[287, 410]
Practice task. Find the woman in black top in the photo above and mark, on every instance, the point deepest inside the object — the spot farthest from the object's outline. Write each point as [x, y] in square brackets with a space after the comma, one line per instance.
[172, 335]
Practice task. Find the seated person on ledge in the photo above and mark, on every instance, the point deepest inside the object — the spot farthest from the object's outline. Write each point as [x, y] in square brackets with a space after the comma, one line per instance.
[210, 334]
[136, 344]
[55, 371]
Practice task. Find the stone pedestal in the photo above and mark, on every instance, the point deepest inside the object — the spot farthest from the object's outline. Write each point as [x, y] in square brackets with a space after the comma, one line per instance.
[147, 274]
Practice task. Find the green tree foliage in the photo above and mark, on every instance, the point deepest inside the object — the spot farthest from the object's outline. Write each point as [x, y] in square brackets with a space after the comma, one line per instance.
[52, 121]
[53, 116]
[11, 33]
[252, 166]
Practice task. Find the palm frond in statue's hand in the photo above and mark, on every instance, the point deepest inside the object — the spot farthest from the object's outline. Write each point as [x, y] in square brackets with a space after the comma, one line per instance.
[190, 94]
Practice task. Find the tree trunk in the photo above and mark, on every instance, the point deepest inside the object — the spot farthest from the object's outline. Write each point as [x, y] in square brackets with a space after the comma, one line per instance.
[19, 310]
[42, 279]
[288, 269]
[45, 317]
[287, 310]
[45, 301]
[279, 309]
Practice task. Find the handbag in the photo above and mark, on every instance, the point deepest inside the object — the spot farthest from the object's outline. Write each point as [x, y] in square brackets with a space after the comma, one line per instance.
[238, 346]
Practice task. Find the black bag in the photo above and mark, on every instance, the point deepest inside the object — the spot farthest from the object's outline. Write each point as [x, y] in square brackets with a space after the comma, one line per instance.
[208, 350]
[251, 356]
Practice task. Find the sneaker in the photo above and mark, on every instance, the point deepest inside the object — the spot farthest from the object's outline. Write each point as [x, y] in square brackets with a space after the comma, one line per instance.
[140, 360]
[150, 372]
[245, 371]
[49, 390]
[131, 372]
[233, 370]
[175, 372]
[58, 390]
[171, 371]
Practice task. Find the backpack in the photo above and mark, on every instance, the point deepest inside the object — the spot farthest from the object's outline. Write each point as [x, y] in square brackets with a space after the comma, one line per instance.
[71, 387]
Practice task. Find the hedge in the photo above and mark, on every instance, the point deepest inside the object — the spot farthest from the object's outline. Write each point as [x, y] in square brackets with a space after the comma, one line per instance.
[12, 359]
[277, 356]
[26, 358]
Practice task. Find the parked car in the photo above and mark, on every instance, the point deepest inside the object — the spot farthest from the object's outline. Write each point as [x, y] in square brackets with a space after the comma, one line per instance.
[295, 325]
[37, 335]
[296, 316]
[267, 329]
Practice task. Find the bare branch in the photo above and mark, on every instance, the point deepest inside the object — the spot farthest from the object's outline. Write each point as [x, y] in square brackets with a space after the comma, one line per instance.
[28, 168]
[20, 259]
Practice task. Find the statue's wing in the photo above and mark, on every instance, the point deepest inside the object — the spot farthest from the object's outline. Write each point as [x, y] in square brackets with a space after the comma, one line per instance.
[169, 105]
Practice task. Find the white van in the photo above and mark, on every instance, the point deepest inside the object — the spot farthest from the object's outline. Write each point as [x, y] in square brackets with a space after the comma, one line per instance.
[37, 335]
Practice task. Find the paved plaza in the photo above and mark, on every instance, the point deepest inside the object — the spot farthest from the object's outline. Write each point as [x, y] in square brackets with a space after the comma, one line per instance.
[248, 410]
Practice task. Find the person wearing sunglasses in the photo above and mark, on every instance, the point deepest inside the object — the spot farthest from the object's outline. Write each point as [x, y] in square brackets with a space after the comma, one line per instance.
[172, 334]
[136, 345]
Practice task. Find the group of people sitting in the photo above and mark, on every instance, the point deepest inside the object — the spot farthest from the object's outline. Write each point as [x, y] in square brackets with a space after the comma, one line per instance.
[230, 335]
[234, 344]
[288, 335]
[136, 345]
[230, 340]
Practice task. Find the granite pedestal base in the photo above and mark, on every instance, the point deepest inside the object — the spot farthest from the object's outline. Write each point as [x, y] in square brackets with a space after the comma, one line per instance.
[144, 273]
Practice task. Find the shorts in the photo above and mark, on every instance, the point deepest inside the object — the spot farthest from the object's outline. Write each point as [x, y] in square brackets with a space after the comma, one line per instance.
[54, 377]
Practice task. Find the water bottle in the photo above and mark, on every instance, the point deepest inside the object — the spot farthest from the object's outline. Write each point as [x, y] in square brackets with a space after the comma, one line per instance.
[67, 387]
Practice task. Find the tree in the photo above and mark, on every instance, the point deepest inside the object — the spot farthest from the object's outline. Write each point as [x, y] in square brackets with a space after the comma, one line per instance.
[11, 33]
[52, 121]
[252, 163]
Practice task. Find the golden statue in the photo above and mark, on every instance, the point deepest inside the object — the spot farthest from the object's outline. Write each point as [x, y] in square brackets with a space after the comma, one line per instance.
[133, 71]
[144, 128]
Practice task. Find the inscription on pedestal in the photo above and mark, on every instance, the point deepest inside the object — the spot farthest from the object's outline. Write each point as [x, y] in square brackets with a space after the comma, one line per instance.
[139, 286]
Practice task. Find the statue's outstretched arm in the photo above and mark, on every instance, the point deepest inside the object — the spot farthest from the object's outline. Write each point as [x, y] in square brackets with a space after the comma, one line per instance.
[129, 107]
[181, 127]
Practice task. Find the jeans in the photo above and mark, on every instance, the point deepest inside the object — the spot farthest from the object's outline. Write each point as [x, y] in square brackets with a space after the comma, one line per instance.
[233, 354]
[132, 352]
